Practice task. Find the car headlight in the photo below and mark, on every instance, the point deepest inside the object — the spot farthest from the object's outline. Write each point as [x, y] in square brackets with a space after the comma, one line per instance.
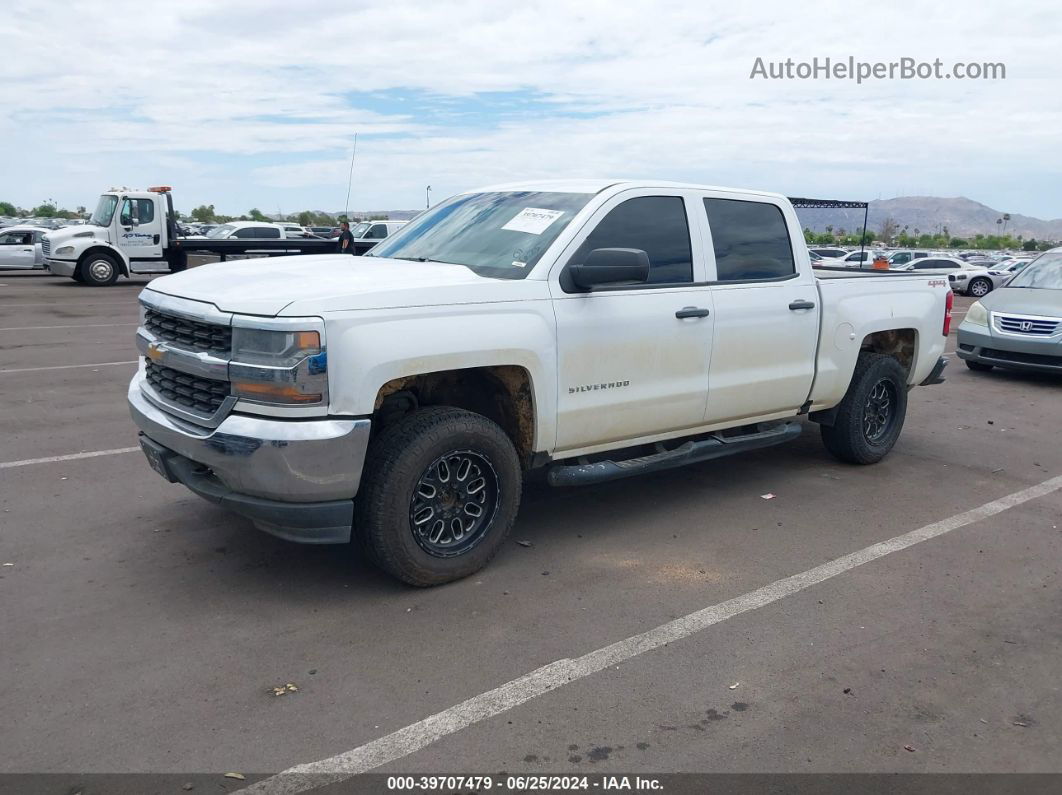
[64, 250]
[977, 314]
[279, 366]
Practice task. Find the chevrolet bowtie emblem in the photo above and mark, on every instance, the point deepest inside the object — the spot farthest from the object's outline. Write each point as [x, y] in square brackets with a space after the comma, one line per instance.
[155, 352]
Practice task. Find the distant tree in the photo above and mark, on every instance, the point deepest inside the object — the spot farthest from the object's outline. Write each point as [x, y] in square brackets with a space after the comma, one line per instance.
[45, 210]
[888, 229]
[256, 214]
[204, 214]
[957, 242]
[81, 210]
[1030, 244]
[341, 218]
[1006, 220]
[7, 208]
[305, 218]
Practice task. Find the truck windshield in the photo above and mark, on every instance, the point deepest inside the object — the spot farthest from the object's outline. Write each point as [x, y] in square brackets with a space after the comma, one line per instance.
[359, 230]
[104, 211]
[1044, 273]
[500, 235]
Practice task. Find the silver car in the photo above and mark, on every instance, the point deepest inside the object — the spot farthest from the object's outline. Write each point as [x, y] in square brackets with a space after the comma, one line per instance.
[20, 247]
[1018, 326]
[978, 282]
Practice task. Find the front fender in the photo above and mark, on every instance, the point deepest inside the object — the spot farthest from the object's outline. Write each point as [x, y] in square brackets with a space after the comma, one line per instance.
[368, 349]
[116, 253]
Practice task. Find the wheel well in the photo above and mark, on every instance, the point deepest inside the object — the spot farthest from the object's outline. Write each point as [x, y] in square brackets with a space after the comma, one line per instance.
[897, 343]
[501, 393]
[122, 269]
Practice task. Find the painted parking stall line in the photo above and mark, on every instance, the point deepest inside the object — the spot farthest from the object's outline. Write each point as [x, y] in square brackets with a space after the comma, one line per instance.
[82, 325]
[51, 459]
[64, 367]
[423, 733]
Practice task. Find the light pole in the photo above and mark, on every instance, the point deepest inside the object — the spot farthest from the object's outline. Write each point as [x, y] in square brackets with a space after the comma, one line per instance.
[427, 198]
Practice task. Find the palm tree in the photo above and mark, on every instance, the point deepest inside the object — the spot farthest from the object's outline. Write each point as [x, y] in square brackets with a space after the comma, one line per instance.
[1006, 220]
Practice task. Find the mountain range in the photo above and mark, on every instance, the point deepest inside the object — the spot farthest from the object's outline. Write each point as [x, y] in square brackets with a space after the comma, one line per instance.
[929, 214]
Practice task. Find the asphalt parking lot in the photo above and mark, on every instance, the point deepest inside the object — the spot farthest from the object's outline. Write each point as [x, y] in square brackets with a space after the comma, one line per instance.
[143, 629]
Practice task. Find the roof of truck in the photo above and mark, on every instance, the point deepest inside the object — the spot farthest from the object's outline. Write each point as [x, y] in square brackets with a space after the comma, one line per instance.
[598, 185]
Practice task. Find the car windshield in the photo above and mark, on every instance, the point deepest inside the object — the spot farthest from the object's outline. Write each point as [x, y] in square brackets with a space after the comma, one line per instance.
[104, 210]
[501, 235]
[221, 231]
[1045, 273]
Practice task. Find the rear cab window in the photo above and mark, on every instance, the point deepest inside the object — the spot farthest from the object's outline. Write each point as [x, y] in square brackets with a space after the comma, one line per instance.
[750, 239]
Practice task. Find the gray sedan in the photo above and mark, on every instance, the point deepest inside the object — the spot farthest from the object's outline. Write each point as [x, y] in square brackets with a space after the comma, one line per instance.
[20, 247]
[1018, 326]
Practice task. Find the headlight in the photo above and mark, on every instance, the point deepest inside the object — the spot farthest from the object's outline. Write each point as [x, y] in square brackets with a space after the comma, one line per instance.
[279, 366]
[64, 250]
[977, 314]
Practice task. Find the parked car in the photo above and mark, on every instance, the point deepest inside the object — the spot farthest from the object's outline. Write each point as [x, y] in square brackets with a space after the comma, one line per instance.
[862, 258]
[323, 231]
[1018, 326]
[294, 230]
[979, 281]
[256, 230]
[20, 247]
[368, 231]
[829, 252]
[904, 255]
[513, 330]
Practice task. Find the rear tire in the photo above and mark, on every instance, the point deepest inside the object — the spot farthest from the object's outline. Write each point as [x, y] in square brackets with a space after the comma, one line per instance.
[439, 496]
[980, 287]
[979, 367]
[871, 414]
[99, 270]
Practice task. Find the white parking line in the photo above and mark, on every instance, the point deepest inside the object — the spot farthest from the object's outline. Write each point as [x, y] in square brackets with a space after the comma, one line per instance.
[70, 457]
[418, 735]
[86, 325]
[63, 367]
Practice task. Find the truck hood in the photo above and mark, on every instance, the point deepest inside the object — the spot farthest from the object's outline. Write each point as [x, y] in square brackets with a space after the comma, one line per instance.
[320, 283]
[57, 237]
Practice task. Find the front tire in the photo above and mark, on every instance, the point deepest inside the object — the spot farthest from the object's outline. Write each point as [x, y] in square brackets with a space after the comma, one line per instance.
[439, 496]
[871, 414]
[980, 287]
[99, 270]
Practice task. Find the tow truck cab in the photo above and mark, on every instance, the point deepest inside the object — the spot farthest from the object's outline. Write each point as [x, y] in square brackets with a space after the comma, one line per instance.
[130, 231]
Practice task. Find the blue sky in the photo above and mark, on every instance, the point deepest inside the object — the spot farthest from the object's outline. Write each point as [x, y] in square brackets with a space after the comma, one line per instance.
[460, 94]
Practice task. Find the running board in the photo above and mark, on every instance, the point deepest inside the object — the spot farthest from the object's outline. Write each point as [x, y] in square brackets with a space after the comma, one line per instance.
[688, 453]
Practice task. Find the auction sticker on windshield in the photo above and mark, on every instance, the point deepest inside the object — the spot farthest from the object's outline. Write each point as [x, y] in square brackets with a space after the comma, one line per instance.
[533, 220]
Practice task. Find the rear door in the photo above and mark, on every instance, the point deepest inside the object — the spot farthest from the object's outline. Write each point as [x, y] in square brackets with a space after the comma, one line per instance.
[633, 359]
[766, 310]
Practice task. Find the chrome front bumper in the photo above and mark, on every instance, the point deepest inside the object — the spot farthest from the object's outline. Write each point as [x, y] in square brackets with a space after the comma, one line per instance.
[293, 478]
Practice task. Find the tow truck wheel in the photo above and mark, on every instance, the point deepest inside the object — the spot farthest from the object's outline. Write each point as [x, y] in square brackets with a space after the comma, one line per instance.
[77, 277]
[99, 270]
[871, 414]
[439, 495]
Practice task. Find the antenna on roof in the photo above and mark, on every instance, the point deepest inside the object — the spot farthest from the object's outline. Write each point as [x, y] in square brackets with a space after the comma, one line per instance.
[350, 178]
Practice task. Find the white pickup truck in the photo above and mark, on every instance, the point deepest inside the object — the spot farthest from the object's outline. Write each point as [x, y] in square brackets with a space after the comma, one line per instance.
[582, 330]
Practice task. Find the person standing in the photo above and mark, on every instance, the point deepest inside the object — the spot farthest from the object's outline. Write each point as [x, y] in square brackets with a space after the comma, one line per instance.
[346, 240]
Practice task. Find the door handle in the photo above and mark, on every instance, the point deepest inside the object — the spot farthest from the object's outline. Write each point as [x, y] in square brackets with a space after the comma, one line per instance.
[691, 311]
[802, 305]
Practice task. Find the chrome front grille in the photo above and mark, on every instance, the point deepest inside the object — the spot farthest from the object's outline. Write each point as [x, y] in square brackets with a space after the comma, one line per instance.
[201, 395]
[1023, 324]
[194, 335]
[46, 245]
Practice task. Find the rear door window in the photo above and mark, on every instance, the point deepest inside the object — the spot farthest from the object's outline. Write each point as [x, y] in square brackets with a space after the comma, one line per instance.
[751, 240]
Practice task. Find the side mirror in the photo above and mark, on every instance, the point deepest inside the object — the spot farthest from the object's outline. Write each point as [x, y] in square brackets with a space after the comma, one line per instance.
[610, 266]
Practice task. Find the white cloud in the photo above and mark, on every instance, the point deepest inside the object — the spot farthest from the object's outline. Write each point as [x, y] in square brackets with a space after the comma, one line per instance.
[251, 99]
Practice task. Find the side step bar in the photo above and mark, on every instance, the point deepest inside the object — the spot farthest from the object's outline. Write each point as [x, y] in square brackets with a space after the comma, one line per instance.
[688, 453]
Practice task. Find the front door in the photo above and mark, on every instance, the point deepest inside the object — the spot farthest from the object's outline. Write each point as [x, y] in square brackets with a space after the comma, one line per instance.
[139, 230]
[17, 250]
[633, 359]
